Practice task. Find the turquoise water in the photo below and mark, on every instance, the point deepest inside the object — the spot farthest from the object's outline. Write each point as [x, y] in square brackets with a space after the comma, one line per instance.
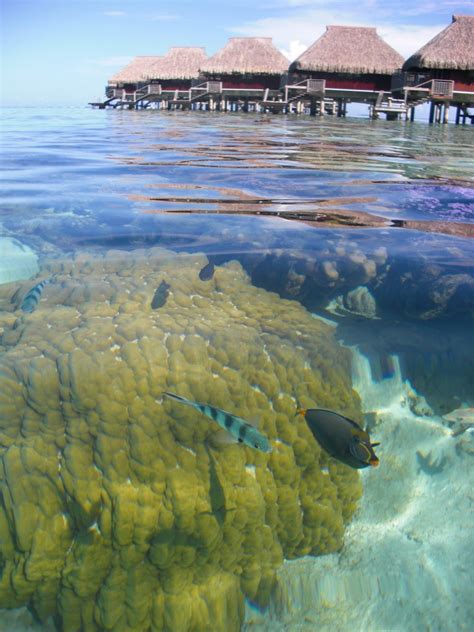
[341, 277]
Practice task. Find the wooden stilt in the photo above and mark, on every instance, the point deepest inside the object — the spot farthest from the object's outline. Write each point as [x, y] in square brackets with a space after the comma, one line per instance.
[446, 113]
[412, 113]
[432, 111]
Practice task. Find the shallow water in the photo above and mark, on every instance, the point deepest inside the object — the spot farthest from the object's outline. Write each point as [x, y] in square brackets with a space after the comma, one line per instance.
[343, 279]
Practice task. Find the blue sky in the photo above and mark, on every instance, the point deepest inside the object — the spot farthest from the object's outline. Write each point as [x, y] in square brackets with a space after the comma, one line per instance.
[63, 51]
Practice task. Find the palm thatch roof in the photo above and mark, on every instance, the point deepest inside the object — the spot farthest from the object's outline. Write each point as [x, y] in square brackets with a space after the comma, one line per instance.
[137, 70]
[350, 49]
[180, 62]
[247, 55]
[453, 48]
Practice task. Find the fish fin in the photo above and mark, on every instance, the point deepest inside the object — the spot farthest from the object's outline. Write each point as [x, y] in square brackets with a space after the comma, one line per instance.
[222, 437]
[359, 450]
[374, 445]
[254, 421]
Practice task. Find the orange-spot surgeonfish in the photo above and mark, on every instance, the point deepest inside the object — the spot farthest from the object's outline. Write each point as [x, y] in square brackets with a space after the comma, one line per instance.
[341, 437]
[31, 299]
[238, 428]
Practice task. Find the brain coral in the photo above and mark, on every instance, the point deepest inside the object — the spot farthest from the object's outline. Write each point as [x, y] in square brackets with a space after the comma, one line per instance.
[118, 510]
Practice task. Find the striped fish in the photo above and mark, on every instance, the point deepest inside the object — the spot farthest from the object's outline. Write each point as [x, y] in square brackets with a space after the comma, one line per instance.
[31, 299]
[237, 427]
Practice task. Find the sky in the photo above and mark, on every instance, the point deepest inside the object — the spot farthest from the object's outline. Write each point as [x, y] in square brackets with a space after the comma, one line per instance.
[62, 52]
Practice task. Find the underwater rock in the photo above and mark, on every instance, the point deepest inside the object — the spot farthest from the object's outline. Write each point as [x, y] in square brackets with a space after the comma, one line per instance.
[358, 301]
[460, 420]
[116, 511]
[17, 261]
[334, 266]
[431, 463]
[423, 291]
[417, 403]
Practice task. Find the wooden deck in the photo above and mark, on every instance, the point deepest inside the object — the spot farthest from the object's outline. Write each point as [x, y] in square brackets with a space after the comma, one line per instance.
[311, 96]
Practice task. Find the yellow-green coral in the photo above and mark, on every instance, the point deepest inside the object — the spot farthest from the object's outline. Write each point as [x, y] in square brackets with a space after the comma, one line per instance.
[118, 510]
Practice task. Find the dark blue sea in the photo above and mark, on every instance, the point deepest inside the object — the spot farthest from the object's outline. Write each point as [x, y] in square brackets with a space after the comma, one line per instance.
[264, 269]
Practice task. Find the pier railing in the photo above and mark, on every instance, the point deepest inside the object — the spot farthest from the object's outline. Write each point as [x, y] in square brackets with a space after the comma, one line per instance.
[312, 87]
[433, 88]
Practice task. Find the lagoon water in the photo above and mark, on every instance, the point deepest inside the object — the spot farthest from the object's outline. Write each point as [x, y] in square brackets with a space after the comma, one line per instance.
[342, 278]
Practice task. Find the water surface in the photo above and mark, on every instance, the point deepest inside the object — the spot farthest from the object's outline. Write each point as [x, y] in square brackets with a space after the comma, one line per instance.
[343, 278]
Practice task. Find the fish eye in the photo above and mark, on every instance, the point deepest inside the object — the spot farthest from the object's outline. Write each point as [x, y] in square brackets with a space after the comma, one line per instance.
[255, 445]
[240, 439]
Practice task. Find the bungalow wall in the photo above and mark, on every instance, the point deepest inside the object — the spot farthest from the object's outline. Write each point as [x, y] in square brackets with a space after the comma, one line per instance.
[171, 85]
[246, 82]
[348, 81]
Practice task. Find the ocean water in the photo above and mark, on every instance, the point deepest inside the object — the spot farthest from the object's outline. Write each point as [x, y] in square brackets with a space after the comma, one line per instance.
[259, 264]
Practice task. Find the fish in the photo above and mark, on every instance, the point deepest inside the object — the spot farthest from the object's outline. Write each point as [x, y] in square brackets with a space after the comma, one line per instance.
[207, 272]
[31, 298]
[160, 296]
[237, 427]
[341, 437]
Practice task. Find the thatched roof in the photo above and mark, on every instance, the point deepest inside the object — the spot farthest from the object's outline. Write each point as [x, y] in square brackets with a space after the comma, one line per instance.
[137, 70]
[350, 49]
[247, 55]
[453, 48]
[181, 62]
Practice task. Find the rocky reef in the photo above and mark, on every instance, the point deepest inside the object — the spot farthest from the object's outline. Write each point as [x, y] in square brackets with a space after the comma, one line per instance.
[119, 510]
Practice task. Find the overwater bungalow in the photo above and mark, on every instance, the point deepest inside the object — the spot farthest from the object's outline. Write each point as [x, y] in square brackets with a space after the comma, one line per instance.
[246, 71]
[345, 63]
[443, 69]
[172, 75]
[122, 87]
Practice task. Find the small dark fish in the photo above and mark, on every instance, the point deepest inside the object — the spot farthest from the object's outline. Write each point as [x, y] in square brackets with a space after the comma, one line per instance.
[160, 296]
[341, 437]
[31, 299]
[237, 427]
[207, 272]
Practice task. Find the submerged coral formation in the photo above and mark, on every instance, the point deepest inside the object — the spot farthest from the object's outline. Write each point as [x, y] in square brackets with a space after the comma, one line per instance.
[118, 510]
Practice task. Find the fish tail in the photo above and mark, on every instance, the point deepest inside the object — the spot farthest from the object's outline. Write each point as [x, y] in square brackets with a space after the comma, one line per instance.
[183, 400]
[178, 398]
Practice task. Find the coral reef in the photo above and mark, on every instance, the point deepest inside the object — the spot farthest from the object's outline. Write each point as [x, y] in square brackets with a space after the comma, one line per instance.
[331, 267]
[118, 511]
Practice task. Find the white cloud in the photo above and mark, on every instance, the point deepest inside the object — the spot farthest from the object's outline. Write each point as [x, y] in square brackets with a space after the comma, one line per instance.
[291, 32]
[407, 39]
[114, 14]
[294, 50]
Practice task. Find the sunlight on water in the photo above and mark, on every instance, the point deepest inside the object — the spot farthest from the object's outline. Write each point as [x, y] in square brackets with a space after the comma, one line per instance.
[211, 327]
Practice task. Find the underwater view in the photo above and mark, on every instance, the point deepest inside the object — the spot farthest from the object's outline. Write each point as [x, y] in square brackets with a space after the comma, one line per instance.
[236, 373]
